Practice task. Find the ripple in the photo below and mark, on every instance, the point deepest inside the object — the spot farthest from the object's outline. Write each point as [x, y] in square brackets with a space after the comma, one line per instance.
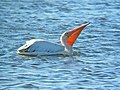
[30, 86]
[95, 61]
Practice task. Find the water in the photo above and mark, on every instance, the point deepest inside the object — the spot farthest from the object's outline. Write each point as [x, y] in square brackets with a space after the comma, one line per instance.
[95, 64]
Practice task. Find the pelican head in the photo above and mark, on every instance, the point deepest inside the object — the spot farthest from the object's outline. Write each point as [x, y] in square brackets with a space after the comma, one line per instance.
[68, 38]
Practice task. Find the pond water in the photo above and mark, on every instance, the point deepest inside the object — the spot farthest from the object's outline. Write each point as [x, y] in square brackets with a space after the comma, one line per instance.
[95, 64]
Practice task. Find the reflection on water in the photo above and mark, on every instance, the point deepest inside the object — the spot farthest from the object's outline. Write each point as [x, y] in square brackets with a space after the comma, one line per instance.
[95, 63]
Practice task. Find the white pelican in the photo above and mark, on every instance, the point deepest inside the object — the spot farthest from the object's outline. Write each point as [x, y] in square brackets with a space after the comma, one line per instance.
[44, 47]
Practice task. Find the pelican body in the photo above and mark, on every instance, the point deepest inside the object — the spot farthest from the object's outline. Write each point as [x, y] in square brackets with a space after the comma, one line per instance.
[44, 47]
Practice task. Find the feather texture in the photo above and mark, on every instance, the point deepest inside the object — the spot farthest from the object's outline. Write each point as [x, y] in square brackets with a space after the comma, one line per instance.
[40, 45]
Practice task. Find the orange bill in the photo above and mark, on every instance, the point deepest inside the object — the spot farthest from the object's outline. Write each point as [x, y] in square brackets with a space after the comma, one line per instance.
[75, 33]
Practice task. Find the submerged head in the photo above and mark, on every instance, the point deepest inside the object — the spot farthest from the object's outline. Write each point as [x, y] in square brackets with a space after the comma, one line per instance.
[68, 38]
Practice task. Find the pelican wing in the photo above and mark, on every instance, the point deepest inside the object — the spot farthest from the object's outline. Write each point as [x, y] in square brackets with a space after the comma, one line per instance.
[41, 46]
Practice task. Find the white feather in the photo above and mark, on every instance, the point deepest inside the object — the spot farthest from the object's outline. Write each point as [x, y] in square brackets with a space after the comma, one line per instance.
[40, 46]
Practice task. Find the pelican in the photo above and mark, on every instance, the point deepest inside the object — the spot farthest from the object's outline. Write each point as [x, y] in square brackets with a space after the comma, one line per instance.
[44, 47]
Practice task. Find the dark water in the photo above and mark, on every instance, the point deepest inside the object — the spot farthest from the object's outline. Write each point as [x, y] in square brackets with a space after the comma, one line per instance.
[96, 63]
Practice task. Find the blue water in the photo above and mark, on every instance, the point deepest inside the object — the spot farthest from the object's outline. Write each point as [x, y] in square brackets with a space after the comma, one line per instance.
[95, 64]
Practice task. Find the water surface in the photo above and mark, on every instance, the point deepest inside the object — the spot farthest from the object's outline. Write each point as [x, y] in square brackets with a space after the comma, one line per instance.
[96, 63]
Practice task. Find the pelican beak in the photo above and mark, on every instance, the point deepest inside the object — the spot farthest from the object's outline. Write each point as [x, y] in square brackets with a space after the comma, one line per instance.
[73, 34]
